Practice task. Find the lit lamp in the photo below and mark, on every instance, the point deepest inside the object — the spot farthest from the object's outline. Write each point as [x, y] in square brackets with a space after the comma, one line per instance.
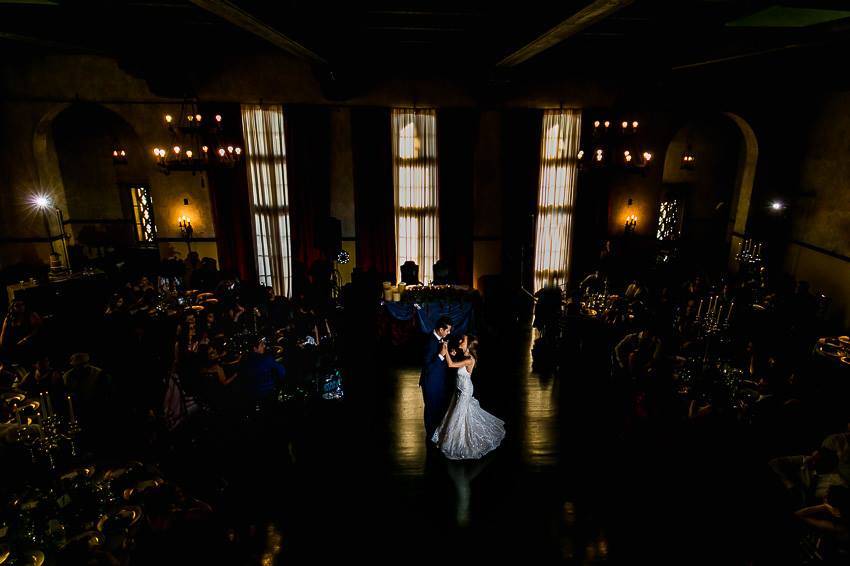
[186, 230]
[44, 204]
[688, 159]
[119, 156]
[631, 220]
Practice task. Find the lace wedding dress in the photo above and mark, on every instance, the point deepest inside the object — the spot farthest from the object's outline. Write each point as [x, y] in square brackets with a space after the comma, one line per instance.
[467, 431]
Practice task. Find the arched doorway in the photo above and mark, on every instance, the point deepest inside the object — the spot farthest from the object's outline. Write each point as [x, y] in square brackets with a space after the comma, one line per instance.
[73, 147]
[716, 188]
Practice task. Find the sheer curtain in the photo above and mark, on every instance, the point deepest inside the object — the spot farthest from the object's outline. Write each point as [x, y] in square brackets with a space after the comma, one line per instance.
[414, 140]
[266, 163]
[555, 197]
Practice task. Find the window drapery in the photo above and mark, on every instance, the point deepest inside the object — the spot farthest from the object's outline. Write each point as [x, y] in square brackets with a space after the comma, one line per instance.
[414, 146]
[556, 197]
[265, 148]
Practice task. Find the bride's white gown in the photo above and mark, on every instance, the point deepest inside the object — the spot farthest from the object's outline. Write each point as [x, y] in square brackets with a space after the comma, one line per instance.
[467, 431]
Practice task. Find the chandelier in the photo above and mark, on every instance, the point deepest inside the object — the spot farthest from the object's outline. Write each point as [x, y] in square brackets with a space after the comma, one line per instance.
[615, 144]
[195, 142]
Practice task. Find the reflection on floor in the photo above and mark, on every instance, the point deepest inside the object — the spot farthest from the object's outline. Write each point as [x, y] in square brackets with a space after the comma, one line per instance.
[408, 443]
[567, 486]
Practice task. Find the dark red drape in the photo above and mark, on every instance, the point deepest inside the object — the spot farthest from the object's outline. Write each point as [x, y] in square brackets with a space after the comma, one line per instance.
[228, 189]
[521, 172]
[308, 148]
[374, 217]
[456, 129]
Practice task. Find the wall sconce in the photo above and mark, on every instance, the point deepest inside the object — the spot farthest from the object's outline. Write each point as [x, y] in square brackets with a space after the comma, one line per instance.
[119, 156]
[631, 220]
[186, 230]
[688, 159]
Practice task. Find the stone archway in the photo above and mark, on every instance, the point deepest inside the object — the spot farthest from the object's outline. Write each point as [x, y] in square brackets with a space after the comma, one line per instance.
[72, 146]
[727, 156]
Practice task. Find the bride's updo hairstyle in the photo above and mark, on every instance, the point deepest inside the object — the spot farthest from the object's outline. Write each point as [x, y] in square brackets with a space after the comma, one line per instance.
[472, 346]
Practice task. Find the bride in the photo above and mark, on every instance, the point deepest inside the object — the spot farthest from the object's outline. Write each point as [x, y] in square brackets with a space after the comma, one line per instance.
[467, 431]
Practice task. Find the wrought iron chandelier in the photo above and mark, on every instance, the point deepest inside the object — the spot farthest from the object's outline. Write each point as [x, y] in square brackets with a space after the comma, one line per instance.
[615, 144]
[195, 142]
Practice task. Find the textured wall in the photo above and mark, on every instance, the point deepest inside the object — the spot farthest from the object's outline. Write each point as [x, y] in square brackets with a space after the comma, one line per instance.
[824, 220]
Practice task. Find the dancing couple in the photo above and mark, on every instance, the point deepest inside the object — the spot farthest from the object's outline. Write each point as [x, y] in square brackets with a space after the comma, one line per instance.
[454, 421]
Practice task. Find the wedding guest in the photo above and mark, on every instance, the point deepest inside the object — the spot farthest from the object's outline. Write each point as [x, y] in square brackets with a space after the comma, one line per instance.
[44, 377]
[831, 520]
[89, 384]
[20, 330]
[260, 375]
[806, 479]
[638, 352]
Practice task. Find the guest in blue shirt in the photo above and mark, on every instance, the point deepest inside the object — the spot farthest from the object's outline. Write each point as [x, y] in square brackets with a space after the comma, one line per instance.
[260, 375]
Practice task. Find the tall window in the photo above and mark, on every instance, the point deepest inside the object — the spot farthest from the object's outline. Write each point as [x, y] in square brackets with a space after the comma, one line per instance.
[262, 127]
[415, 182]
[143, 214]
[555, 197]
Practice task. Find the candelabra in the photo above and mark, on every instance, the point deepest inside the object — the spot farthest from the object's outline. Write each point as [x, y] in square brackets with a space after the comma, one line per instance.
[596, 300]
[51, 432]
[714, 317]
[749, 252]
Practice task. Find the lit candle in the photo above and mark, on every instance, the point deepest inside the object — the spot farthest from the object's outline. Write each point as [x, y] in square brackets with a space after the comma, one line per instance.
[699, 309]
[71, 409]
[729, 314]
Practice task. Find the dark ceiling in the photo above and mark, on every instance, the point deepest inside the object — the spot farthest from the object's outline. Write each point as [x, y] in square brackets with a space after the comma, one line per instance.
[476, 40]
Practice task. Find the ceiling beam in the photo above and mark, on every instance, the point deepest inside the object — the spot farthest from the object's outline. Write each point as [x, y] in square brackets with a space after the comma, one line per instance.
[594, 12]
[45, 43]
[245, 21]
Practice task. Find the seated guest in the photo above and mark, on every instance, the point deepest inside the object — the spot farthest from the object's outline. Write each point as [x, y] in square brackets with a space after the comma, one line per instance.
[593, 283]
[89, 384]
[10, 375]
[635, 291]
[212, 387]
[638, 353]
[233, 319]
[210, 366]
[210, 328]
[43, 377]
[831, 520]
[259, 374]
[806, 479]
[840, 444]
[20, 330]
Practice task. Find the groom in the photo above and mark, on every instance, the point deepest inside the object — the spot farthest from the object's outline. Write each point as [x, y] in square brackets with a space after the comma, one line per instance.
[435, 390]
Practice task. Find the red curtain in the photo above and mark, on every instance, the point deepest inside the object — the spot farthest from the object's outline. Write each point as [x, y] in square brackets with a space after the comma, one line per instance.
[374, 215]
[308, 148]
[520, 172]
[456, 130]
[228, 189]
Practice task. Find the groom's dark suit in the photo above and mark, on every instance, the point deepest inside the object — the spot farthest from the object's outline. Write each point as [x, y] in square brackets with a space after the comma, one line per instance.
[433, 384]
